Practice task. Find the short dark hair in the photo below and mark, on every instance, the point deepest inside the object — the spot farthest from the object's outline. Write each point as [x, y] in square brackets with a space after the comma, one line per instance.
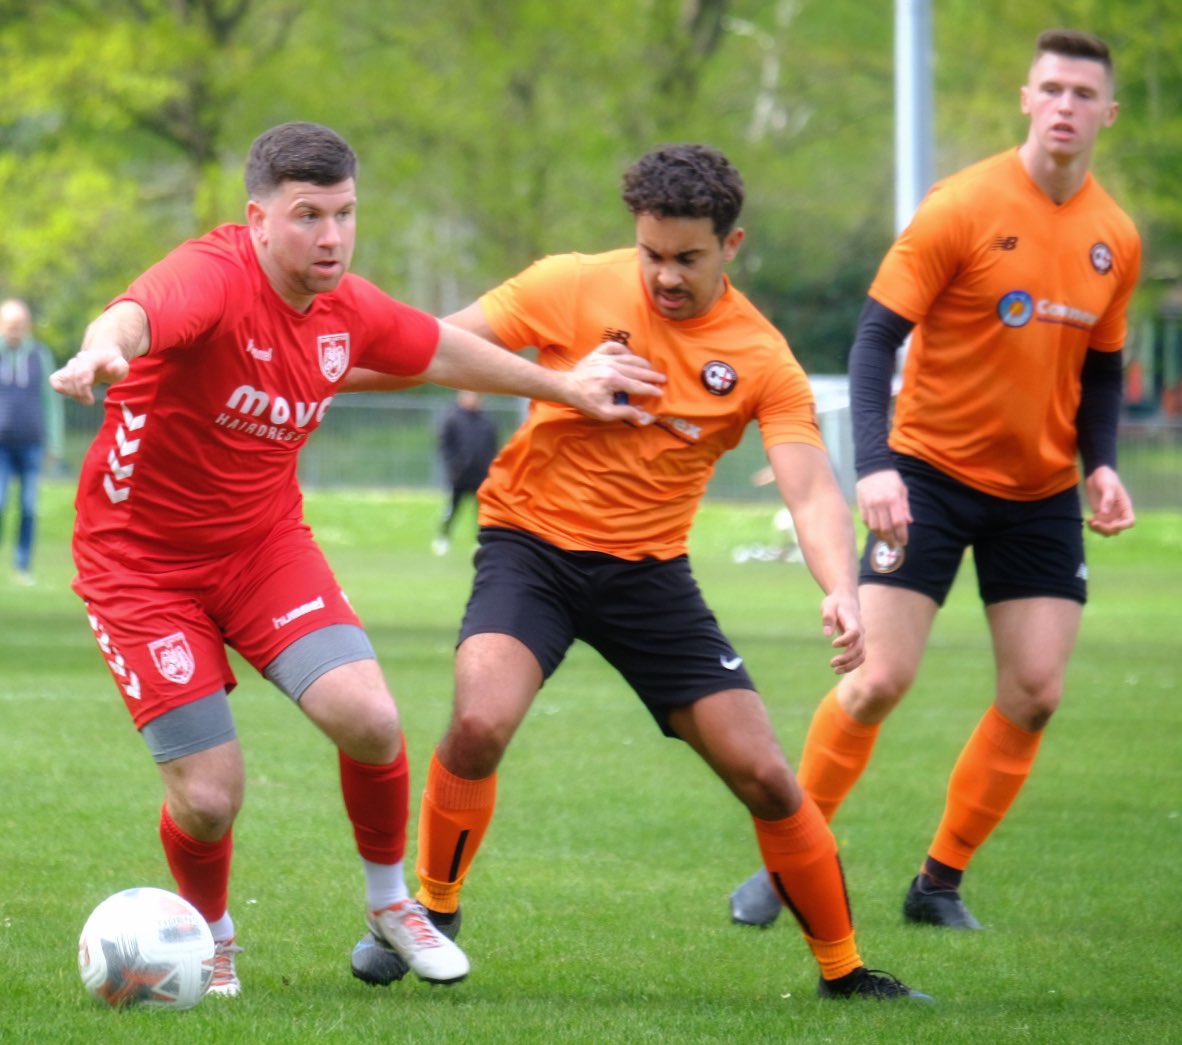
[1073, 43]
[685, 181]
[297, 152]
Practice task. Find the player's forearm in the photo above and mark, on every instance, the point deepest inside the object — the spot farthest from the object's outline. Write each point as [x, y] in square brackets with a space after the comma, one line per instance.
[872, 369]
[822, 519]
[1099, 409]
[825, 531]
[463, 360]
[124, 325]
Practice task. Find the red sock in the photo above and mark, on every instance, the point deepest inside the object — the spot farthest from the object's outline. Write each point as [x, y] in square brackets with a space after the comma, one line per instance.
[201, 869]
[377, 800]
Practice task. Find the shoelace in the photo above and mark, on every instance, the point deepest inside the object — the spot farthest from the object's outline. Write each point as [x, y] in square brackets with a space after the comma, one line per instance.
[223, 963]
[420, 927]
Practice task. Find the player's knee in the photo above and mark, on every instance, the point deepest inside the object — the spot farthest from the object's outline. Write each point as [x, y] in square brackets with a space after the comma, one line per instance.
[767, 789]
[376, 737]
[205, 809]
[874, 691]
[1031, 706]
[474, 744]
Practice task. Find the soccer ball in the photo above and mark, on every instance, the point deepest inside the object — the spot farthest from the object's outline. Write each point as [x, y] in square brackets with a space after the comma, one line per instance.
[146, 947]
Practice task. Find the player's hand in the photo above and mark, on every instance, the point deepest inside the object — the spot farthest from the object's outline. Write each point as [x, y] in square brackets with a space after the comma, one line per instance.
[606, 379]
[1112, 507]
[101, 363]
[882, 500]
[841, 617]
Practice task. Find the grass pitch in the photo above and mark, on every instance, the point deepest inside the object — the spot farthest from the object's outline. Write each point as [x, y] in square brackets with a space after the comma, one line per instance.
[596, 911]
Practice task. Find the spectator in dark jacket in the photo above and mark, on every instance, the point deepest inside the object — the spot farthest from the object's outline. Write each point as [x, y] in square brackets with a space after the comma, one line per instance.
[467, 444]
[30, 422]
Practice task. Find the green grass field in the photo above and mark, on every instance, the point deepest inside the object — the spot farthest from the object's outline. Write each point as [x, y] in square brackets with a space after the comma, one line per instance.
[597, 909]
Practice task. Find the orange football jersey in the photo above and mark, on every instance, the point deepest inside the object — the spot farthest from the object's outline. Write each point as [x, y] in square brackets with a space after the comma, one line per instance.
[628, 490]
[1008, 291]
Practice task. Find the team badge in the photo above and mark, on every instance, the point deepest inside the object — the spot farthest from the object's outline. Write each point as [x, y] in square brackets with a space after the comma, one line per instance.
[173, 658]
[1016, 308]
[334, 355]
[885, 558]
[1101, 255]
[719, 378]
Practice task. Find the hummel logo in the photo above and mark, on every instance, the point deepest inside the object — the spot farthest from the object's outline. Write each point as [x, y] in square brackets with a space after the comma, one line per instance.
[263, 354]
[730, 663]
[1004, 243]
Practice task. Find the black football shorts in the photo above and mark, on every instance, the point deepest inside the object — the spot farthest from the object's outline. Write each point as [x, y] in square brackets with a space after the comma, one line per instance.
[647, 618]
[1021, 549]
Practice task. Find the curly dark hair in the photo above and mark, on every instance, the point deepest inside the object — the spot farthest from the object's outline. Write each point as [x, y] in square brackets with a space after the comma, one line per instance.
[685, 181]
[297, 152]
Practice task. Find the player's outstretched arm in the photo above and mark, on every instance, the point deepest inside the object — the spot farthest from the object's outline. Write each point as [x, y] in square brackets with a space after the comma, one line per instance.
[466, 358]
[109, 345]
[825, 530]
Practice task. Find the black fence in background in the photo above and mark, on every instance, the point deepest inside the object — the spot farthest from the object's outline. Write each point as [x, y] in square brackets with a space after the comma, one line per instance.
[379, 441]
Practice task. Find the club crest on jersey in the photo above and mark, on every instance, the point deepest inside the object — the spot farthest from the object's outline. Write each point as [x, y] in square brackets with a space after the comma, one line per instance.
[333, 350]
[1101, 255]
[173, 658]
[885, 558]
[719, 377]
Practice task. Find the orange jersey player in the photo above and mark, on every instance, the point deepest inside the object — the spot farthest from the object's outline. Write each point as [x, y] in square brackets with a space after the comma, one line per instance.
[1016, 275]
[632, 491]
[584, 531]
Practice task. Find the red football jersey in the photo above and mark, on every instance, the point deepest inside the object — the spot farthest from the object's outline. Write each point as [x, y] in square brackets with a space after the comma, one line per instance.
[197, 453]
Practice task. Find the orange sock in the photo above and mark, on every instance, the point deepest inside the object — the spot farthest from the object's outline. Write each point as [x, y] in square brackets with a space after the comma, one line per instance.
[836, 750]
[452, 820]
[800, 854]
[986, 779]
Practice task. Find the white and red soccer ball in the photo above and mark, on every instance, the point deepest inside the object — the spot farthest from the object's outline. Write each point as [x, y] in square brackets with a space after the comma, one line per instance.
[146, 947]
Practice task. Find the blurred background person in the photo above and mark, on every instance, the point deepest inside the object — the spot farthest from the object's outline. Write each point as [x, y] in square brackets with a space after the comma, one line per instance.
[467, 445]
[30, 424]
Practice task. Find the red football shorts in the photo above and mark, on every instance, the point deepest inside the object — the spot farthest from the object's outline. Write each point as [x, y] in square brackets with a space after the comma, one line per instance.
[164, 630]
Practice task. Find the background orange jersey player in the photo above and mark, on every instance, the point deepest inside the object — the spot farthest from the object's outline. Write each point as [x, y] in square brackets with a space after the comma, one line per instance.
[1016, 275]
[583, 536]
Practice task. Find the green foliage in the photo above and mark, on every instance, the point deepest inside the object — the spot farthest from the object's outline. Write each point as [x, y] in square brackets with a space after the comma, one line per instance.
[493, 133]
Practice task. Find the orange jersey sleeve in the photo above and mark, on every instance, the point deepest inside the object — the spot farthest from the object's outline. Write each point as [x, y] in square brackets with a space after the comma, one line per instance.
[627, 490]
[1008, 291]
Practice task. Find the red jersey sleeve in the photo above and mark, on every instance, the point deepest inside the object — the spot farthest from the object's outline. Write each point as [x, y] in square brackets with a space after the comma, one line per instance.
[399, 339]
[184, 296]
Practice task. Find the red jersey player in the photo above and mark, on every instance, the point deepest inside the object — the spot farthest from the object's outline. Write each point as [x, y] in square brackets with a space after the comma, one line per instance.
[225, 356]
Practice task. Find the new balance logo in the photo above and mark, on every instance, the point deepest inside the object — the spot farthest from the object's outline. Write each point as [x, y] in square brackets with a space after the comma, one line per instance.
[1004, 243]
[620, 336]
[730, 663]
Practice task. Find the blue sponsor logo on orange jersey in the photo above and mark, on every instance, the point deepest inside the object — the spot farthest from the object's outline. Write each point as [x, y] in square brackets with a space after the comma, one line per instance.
[1016, 308]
